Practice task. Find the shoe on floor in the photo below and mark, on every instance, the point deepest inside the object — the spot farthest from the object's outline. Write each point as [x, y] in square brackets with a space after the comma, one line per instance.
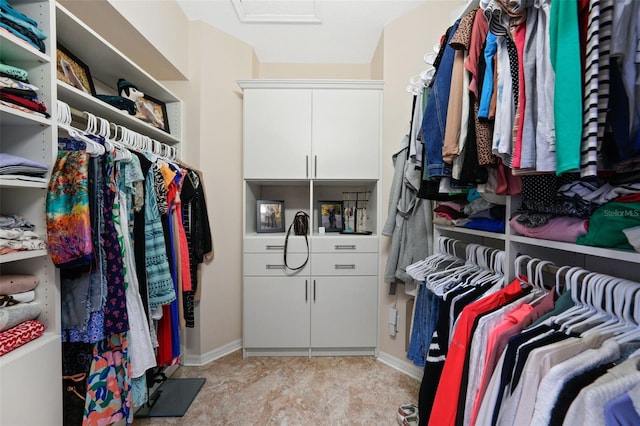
[407, 411]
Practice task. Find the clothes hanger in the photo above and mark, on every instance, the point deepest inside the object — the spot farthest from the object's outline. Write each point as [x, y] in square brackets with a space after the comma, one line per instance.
[571, 282]
[93, 148]
[587, 307]
[559, 273]
[598, 312]
[538, 282]
[633, 334]
[621, 309]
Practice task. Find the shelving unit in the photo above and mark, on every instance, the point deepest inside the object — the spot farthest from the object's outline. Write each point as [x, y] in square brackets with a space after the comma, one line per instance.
[307, 141]
[32, 371]
[107, 64]
[619, 263]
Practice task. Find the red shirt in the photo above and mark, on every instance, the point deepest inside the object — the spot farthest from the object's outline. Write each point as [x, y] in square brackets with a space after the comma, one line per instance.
[445, 404]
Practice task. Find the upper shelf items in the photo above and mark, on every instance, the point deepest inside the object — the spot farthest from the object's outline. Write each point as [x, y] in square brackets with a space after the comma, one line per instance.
[107, 65]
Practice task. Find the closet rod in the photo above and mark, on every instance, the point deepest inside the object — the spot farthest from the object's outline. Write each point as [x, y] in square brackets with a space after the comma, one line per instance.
[80, 117]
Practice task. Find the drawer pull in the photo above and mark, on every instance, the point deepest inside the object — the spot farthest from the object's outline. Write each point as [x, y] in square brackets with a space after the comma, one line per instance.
[274, 247]
[274, 266]
[345, 246]
[352, 266]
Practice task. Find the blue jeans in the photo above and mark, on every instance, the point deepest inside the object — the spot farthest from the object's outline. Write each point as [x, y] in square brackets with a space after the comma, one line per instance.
[435, 114]
[425, 319]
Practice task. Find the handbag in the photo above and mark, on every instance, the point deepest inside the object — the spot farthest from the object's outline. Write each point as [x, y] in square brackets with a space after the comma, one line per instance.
[300, 226]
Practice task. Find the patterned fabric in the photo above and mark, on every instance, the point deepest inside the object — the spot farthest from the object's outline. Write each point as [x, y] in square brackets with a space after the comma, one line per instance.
[19, 335]
[108, 398]
[159, 282]
[94, 330]
[596, 84]
[67, 207]
[160, 189]
[115, 311]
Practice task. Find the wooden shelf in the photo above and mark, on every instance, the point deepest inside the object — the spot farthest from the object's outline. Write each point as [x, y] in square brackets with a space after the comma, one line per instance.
[460, 230]
[15, 117]
[13, 50]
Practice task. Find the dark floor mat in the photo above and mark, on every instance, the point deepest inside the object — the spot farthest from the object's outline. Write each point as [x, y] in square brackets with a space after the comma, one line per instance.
[174, 397]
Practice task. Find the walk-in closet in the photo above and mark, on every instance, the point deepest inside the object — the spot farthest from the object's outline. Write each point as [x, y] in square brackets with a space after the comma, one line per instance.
[319, 212]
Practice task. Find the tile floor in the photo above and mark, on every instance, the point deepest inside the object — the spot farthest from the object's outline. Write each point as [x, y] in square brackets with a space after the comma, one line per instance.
[350, 390]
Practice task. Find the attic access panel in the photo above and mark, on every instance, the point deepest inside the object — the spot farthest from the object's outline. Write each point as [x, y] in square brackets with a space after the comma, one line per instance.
[278, 11]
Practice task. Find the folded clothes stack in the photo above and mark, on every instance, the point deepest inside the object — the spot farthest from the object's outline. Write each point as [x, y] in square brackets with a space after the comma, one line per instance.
[18, 311]
[16, 91]
[16, 234]
[16, 167]
[21, 27]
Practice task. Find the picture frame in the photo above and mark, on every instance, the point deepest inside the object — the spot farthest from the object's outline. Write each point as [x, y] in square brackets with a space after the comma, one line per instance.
[270, 216]
[153, 112]
[73, 71]
[330, 216]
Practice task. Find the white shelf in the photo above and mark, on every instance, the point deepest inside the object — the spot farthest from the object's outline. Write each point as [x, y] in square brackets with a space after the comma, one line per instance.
[15, 117]
[85, 102]
[106, 63]
[12, 50]
[627, 256]
[22, 255]
[32, 346]
[17, 183]
[460, 230]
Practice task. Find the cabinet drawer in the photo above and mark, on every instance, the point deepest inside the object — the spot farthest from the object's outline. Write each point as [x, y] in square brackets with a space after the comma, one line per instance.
[296, 244]
[364, 244]
[272, 264]
[344, 264]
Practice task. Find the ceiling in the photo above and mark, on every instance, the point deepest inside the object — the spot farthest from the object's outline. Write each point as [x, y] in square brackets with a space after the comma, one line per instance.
[303, 31]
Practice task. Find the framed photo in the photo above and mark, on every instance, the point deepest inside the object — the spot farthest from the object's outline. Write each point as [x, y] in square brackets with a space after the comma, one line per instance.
[73, 71]
[153, 111]
[270, 216]
[330, 215]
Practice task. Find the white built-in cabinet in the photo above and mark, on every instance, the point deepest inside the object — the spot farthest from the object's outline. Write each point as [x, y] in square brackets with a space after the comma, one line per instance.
[31, 375]
[304, 142]
[302, 132]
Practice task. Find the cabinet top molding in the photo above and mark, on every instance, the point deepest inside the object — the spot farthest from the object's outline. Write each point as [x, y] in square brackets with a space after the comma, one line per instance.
[310, 84]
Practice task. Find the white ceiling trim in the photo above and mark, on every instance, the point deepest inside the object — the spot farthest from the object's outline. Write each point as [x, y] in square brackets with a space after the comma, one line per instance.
[278, 12]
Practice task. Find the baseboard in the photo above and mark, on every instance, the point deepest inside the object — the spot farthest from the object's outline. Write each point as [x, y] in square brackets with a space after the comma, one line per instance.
[200, 360]
[401, 365]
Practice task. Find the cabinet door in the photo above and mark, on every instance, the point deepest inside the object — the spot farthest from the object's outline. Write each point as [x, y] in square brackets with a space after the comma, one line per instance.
[276, 312]
[344, 312]
[346, 134]
[277, 133]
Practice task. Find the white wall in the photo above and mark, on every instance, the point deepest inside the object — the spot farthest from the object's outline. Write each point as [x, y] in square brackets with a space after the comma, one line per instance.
[213, 143]
[406, 40]
[213, 133]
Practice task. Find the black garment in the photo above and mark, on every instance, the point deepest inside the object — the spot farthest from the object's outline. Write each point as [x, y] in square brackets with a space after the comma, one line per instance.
[571, 389]
[509, 362]
[434, 364]
[76, 363]
[440, 347]
[471, 172]
[24, 93]
[526, 349]
[139, 238]
[25, 32]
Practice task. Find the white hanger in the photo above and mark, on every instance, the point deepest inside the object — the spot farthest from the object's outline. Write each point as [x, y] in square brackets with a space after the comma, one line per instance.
[597, 285]
[585, 302]
[93, 148]
[633, 334]
[571, 282]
